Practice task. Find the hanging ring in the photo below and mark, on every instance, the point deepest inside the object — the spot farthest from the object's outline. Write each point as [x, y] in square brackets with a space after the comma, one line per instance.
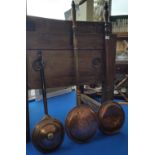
[38, 64]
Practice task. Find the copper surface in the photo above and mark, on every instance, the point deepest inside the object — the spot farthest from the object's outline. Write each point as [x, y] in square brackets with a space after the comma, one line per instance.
[81, 123]
[48, 134]
[111, 117]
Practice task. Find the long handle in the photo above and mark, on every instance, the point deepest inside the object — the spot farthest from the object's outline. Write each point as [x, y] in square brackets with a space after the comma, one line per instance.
[39, 66]
[90, 102]
[107, 73]
[75, 49]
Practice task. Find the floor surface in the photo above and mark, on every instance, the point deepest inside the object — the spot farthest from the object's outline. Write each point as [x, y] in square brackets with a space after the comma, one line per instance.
[100, 145]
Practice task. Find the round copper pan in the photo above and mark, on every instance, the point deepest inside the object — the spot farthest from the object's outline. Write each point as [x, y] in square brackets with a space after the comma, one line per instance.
[111, 117]
[48, 134]
[81, 124]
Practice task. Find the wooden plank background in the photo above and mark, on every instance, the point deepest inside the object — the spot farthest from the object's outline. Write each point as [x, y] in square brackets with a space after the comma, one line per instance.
[59, 68]
[54, 39]
[56, 34]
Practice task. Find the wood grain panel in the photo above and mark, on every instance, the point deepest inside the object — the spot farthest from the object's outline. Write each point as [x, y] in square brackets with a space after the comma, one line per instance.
[59, 68]
[45, 33]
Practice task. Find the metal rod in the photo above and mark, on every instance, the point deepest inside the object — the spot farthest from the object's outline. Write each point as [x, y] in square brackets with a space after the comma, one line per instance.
[75, 49]
[43, 83]
[121, 82]
[123, 95]
[95, 105]
[90, 102]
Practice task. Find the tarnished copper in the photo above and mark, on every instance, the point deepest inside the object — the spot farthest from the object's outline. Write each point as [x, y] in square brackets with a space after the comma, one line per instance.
[81, 123]
[111, 117]
[48, 134]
